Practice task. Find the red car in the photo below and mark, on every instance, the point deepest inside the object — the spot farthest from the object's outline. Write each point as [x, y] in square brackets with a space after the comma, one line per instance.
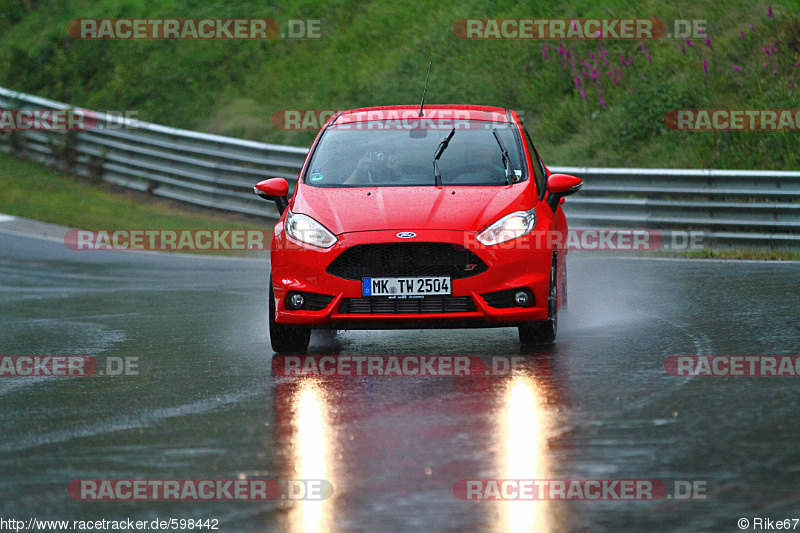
[402, 217]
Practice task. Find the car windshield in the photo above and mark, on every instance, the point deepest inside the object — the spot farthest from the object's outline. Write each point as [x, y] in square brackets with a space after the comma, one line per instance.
[386, 153]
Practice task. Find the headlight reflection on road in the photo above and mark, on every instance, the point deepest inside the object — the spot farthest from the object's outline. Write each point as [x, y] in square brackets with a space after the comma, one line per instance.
[311, 456]
[525, 451]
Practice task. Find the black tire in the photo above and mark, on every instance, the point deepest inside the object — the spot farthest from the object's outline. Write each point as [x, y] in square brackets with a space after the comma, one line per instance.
[544, 332]
[283, 337]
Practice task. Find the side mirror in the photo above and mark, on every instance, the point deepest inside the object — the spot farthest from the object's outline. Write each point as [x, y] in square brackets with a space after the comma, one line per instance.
[274, 189]
[559, 186]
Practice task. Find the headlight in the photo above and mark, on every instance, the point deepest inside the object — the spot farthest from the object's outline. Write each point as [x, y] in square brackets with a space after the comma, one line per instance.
[509, 227]
[305, 229]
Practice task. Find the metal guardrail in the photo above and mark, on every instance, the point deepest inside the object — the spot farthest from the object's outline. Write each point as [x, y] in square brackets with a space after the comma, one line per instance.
[199, 168]
[733, 207]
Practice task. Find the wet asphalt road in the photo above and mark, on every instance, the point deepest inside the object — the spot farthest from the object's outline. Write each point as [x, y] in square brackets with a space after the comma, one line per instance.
[205, 404]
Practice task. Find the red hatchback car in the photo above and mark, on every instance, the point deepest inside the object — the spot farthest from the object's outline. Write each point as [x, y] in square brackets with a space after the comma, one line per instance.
[407, 218]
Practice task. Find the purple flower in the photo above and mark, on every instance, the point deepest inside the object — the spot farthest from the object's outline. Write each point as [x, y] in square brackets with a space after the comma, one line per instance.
[630, 60]
[766, 51]
[771, 50]
[708, 42]
[769, 11]
[736, 67]
[622, 59]
[689, 43]
[752, 28]
[583, 93]
[683, 50]
[603, 102]
[705, 67]
[765, 64]
[797, 64]
[577, 82]
[742, 34]
[775, 70]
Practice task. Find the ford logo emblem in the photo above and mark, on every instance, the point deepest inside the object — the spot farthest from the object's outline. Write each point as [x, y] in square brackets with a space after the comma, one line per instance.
[406, 234]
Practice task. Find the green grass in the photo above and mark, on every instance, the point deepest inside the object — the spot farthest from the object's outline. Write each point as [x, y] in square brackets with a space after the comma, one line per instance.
[32, 191]
[376, 53]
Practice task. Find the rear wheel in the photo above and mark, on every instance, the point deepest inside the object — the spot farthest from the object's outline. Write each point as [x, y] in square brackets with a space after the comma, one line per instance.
[544, 332]
[286, 338]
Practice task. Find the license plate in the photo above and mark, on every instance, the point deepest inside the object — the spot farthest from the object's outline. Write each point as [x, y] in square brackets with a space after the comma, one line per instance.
[418, 286]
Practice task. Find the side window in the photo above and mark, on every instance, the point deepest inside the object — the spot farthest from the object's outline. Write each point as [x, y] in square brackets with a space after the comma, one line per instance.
[538, 169]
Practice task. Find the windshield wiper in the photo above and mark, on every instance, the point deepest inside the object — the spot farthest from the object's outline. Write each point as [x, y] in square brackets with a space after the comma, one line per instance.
[506, 159]
[437, 175]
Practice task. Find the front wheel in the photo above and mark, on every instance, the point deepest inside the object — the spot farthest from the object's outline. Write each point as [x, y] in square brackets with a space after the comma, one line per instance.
[286, 338]
[544, 332]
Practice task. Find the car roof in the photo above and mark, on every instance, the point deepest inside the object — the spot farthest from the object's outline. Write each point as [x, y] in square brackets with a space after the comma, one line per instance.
[431, 111]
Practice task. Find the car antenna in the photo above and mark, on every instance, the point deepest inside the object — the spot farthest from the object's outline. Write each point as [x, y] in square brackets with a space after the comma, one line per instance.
[422, 103]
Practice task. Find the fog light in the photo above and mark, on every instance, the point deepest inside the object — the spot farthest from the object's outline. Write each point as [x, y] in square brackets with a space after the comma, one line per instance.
[521, 298]
[295, 300]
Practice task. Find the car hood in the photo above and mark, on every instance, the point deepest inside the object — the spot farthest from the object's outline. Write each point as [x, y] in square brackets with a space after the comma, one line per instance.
[463, 208]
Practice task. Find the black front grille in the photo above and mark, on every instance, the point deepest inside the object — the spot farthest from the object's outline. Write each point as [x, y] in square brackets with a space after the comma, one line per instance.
[316, 302]
[399, 306]
[406, 259]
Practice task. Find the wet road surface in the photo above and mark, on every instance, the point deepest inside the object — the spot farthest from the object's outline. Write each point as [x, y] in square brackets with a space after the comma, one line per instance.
[205, 404]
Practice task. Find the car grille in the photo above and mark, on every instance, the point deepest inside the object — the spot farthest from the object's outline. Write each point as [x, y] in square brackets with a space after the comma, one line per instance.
[398, 306]
[406, 259]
